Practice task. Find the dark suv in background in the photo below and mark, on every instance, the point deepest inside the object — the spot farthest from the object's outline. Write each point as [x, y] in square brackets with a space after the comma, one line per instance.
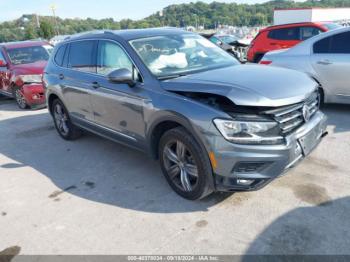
[21, 68]
[213, 124]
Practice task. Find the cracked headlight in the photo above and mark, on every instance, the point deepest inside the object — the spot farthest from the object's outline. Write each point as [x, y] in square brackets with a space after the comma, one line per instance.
[31, 78]
[250, 132]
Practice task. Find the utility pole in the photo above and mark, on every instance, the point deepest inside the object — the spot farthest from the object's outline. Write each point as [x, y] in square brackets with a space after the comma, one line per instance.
[53, 8]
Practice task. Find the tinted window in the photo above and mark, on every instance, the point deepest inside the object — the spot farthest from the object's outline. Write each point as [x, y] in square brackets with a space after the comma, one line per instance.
[322, 46]
[336, 44]
[340, 43]
[285, 34]
[308, 31]
[60, 55]
[111, 57]
[82, 56]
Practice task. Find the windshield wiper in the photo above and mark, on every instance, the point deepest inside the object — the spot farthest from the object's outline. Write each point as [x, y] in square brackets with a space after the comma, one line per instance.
[171, 76]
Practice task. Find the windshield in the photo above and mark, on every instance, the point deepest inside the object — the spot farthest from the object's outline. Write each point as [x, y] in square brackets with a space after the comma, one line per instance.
[180, 54]
[228, 39]
[27, 55]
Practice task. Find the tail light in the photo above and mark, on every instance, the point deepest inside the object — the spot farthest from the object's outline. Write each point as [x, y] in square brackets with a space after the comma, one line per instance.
[265, 62]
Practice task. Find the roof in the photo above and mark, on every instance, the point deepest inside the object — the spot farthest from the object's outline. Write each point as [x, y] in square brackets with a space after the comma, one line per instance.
[131, 34]
[20, 44]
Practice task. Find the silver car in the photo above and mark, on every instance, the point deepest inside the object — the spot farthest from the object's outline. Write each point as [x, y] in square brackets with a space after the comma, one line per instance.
[326, 58]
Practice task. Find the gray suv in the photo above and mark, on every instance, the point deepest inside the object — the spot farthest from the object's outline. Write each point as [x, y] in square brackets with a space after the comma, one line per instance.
[213, 123]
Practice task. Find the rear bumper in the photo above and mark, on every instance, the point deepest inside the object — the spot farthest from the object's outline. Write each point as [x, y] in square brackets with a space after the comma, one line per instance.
[34, 95]
[245, 168]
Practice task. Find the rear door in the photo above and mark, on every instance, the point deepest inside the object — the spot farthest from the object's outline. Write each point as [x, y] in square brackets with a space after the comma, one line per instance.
[331, 61]
[77, 80]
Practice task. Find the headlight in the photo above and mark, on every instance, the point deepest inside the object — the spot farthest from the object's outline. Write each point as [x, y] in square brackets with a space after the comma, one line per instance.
[31, 78]
[250, 132]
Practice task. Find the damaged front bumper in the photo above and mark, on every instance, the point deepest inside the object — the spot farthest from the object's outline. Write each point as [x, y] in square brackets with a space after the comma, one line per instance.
[34, 95]
[250, 167]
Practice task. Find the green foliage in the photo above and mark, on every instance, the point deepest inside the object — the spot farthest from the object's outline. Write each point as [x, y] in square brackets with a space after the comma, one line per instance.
[46, 30]
[199, 13]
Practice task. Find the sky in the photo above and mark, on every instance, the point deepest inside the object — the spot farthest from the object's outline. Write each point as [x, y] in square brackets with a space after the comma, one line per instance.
[117, 9]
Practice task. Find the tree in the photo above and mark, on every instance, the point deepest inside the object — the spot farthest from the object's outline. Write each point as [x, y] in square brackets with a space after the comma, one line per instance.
[46, 30]
[30, 32]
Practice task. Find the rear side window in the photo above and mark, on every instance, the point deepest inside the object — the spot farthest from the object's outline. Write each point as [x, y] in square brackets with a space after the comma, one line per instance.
[336, 44]
[285, 34]
[60, 55]
[82, 56]
[307, 32]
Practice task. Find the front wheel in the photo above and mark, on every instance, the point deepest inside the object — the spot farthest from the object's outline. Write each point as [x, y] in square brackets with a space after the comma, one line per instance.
[20, 98]
[184, 164]
[63, 124]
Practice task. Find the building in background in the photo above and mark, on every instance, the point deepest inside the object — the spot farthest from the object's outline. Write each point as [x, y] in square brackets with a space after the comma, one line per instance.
[302, 15]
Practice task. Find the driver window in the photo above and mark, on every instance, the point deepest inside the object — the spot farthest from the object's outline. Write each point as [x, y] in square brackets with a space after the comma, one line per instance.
[111, 57]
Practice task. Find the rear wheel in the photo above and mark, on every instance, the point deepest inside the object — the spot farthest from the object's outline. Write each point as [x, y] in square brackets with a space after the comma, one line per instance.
[184, 164]
[63, 124]
[20, 98]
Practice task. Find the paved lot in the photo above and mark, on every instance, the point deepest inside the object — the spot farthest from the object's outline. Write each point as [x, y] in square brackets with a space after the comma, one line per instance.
[93, 196]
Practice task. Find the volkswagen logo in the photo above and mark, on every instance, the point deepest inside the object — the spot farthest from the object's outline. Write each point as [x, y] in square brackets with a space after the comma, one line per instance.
[306, 113]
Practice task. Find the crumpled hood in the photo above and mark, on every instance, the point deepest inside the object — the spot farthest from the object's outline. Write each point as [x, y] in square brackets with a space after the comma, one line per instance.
[36, 68]
[248, 85]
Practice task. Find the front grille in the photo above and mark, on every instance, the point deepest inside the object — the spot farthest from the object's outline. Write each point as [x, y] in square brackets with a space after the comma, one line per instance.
[292, 117]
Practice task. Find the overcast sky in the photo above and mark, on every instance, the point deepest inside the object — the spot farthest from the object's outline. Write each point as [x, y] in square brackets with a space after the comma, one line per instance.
[117, 9]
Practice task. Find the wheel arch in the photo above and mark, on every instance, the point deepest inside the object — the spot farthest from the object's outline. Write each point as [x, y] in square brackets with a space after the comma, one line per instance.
[166, 122]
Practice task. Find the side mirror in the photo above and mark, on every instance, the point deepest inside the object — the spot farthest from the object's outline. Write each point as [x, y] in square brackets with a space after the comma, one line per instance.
[3, 63]
[122, 76]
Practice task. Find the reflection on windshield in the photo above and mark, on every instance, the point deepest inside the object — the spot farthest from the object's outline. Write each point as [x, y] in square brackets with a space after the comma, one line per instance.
[27, 55]
[180, 54]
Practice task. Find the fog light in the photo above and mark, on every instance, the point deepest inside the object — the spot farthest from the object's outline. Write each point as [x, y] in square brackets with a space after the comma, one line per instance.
[249, 167]
[245, 182]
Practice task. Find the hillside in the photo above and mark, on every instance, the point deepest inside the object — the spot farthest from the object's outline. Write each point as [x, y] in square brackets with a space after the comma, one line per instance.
[209, 15]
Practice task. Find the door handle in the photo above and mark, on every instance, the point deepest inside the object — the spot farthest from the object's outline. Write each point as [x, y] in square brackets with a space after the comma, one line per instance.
[324, 62]
[61, 76]
[95, 85]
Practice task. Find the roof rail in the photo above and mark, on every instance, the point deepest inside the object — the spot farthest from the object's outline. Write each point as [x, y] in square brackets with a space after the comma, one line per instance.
[88, 33]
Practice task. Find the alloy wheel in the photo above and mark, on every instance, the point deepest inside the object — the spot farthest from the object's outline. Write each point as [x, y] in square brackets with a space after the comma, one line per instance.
[20, 99]
[180, 165]
[61, 119]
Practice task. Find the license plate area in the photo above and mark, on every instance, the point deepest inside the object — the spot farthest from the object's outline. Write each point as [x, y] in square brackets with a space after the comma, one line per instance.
[310, 140]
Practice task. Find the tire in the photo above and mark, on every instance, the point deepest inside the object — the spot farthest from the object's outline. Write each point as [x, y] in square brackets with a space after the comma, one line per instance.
[189, 172]
[20, 98]
[64, 126]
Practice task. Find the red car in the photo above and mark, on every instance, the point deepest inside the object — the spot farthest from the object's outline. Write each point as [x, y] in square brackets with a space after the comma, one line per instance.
[284, 36]
[21, 68]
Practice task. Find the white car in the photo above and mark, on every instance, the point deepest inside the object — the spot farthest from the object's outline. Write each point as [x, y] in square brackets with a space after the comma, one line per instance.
[325, 57]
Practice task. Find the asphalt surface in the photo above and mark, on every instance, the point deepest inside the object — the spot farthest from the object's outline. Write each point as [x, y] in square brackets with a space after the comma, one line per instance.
[93, 196]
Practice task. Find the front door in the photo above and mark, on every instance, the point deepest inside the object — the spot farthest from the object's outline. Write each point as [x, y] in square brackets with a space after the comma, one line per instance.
[118, 107]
